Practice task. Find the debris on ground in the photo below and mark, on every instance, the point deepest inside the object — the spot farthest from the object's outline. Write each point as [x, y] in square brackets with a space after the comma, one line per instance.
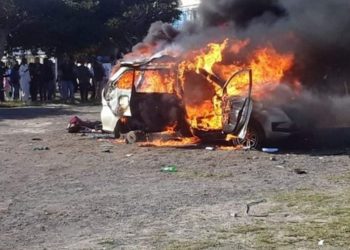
[280, 166]
[249, 205]
[300, 171]
[210, 148]
[37, 139]
[77, 125]
[270, 150]
[272, 158]
[169, 169]
[41, 148]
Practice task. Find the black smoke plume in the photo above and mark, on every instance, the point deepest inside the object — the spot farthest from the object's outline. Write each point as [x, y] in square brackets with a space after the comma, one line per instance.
[317, 32]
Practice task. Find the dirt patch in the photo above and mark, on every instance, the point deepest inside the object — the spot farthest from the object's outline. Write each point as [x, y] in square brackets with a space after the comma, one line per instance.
[78, 195]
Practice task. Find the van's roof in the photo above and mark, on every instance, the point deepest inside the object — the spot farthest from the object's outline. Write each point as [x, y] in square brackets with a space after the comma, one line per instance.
[148, 61]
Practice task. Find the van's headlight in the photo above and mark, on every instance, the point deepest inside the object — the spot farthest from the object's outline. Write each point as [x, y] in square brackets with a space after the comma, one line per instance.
[124, 102]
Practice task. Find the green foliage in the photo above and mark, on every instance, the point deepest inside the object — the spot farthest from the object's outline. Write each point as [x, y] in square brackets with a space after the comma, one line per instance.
[76, 25]
[7, 13]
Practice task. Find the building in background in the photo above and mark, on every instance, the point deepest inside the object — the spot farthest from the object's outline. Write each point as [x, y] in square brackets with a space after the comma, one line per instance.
[189, 10]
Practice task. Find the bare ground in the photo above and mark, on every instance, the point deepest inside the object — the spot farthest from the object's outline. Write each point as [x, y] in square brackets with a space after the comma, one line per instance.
[85, 193]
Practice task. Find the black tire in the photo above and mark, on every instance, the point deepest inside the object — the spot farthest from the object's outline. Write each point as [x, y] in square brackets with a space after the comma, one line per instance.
[121, 128]
[255, 137]
[117, 131]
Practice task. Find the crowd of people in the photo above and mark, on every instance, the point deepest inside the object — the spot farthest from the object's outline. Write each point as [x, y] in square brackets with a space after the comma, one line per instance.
[41, 82]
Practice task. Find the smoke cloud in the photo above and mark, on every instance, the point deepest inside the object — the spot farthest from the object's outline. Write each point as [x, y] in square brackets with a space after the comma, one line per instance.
[316, 32]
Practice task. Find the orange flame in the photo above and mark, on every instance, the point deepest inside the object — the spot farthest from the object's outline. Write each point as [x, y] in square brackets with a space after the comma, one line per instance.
[201, 94]
[178, 142]
[268, 67]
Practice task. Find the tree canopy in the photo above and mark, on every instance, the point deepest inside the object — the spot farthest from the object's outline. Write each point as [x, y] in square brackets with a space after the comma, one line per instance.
[68, 26]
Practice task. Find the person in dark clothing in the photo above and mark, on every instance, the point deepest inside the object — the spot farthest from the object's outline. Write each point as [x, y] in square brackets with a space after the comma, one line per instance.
[67, 79]
[99, 74]
[48, 79]
[2, 75]
[83, 75]
[36, 83]
[14, 81]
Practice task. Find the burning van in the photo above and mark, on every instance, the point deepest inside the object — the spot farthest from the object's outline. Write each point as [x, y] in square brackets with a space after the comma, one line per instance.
[158, 95]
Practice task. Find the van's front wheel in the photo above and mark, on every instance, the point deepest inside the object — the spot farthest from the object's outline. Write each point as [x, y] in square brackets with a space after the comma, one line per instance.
[254, 138]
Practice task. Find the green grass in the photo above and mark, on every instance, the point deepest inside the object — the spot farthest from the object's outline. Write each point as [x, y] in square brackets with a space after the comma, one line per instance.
[193, 245]
[203, 175]
[12, 104]
[108, 244]
[315, 216]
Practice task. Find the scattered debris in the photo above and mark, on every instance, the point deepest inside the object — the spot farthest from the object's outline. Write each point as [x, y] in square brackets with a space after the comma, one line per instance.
[37, 139]
[106, 151]
[128, 155]
[249, 205]
[235, 215]
[272, 158]
[270, 150]
[169, 169]
[321, 242]
[300, 171]
[280, 166]
[76, 125]
[210, 148]
[260, 215]
[41, 148]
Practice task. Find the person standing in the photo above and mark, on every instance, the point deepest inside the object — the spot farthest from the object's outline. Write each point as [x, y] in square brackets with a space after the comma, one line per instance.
[67, 78]
[35, 70]
[2, 75]
[24, 80]
[48, 78]
[99, 75]
[14, 81]
[83, 75]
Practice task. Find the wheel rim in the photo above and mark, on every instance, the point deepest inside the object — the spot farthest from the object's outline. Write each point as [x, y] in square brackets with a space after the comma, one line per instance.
[250, 141]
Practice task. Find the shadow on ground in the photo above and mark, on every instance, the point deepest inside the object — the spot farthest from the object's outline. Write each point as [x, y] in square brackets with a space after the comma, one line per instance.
[30, 112]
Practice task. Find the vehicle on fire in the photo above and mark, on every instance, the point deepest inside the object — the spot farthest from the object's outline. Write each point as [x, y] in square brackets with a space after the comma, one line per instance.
[148, 96]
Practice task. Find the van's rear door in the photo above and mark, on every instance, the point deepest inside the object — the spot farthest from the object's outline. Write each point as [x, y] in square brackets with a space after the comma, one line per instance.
[237, 103]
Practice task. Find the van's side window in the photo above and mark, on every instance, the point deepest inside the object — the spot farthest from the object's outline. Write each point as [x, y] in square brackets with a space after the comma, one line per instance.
[155, 81]
[125, 80]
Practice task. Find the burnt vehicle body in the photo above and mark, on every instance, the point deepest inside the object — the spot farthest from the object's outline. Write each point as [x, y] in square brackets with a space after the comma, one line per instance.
[131, 103]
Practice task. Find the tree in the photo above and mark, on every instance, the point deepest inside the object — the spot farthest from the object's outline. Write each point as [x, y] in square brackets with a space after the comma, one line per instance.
[7, 17]
[68, 26]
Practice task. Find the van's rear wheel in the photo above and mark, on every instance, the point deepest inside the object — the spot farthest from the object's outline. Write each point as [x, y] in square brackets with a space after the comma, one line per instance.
[121, 128]
[117, 131]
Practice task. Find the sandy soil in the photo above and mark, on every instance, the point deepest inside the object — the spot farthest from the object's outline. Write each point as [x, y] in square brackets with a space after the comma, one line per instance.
[85, 193]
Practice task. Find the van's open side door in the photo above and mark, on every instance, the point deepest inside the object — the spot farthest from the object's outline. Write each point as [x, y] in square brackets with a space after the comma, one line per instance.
[237, 105]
